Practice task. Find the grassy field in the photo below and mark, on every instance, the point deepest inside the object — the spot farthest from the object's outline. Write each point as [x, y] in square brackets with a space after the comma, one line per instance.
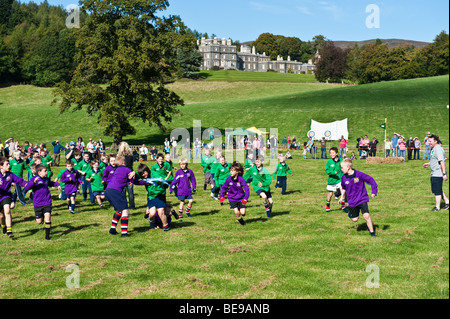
[302, 252]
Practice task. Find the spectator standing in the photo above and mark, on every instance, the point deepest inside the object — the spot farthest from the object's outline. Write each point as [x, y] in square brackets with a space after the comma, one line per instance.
[57, 148]
[417, 146]
[427, 152]
[323, 148]
[394, 140]
[174, 147]
[410, 147]
[401, 148]
[197, 149]
[342, 146]
[373, 147]
[187, 146]
[387, 147]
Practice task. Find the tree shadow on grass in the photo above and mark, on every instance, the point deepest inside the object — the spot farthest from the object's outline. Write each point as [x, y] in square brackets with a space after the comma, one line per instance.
[57, 230]
[293, 192]
[212, 212]
[255, 220]
[274, 214]
[176, 225]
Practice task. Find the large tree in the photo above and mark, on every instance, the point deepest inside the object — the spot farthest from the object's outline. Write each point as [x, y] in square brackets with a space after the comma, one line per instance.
[331, 64]
[130, 49]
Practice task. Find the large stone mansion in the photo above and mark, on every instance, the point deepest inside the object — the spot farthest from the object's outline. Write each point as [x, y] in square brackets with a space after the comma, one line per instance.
[222, 54]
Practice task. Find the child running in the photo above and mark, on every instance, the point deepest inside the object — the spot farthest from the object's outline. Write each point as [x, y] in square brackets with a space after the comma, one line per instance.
[334, 173]
[184, 179]
[157, 209]
[6, 180]
[115, 195]
[42, 200]
[95, 176]
[71, 179]
[261, 183]
[353, 185]
[281, 174]
[238, 192]
[221, 174]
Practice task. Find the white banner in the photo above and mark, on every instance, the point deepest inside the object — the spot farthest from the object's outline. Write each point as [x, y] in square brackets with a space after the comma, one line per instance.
[331, 131]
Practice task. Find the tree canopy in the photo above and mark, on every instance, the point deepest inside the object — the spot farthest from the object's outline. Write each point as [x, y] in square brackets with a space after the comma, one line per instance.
[130, 49]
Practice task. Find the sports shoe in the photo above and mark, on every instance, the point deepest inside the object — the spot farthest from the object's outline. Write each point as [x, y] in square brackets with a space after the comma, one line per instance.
[328, 210]
[189, 214]
[268, 213]
[10, 235]
[152, 225]
[435, 209]
[72, 212]
[241, 221]
[215, 198]
[125, 235]
[167, 229]
[112, 231]
[445, 207]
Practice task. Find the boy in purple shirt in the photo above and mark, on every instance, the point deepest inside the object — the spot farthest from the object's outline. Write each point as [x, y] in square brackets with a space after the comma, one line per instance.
[42, 199]
[353, 185]
[115, 195]
[71, 179]
[238, 191]
[6, 179]
[184, 177]
[109, 170]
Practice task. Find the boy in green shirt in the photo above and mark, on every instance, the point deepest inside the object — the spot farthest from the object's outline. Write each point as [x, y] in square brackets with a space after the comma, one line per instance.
[222, 171]
[261, 183]
[95, 176]
[83, 167]
[206, 162]
[281, 174]
[334, 172]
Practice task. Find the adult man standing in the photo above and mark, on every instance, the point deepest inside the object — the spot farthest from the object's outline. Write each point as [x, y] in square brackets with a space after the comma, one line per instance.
[427, 153]
[57, 148]
[394, 140]
[91, 149]
[197, 148]
[410, 147]
[438, 172]
[323, 148]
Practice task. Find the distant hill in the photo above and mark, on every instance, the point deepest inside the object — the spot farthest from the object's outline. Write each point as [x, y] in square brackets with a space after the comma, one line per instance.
[390, 42]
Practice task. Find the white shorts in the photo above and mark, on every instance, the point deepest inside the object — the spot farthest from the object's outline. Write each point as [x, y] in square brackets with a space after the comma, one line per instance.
[333, 188]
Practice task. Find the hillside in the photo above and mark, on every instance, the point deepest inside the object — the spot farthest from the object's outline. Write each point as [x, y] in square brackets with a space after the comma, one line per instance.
[411, 106]
[392, 43]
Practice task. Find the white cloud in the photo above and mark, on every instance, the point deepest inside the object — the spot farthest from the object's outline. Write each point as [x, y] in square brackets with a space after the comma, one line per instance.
[304, 10]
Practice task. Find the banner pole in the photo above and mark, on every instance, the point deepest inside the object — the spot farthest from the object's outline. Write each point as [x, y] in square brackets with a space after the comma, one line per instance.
[385, 134]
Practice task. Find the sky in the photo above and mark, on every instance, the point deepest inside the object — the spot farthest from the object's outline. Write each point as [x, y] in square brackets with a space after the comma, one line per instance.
[337, 20]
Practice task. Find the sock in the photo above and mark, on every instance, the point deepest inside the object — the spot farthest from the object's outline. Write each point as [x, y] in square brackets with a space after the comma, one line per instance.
[240, 220]
[180, 212]
[152, 223]
[204, 187]
[124, 225]
[4, 229]
[328, 206]
[9, 230]
[115, 219]
[166, 227]
[372, 234]
[267, 207]
[47, 230]
[188, 210]
[342, 205]
[72, 207]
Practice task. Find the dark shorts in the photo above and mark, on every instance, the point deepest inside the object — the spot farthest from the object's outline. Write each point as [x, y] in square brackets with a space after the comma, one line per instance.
[6, 201]
[117, 199]
[69, 195]
[100, 193]
[268, 193]
[436, 185]
[182, 198]
[237, 205]
[40, 211]
[354, 211]
[156, 202]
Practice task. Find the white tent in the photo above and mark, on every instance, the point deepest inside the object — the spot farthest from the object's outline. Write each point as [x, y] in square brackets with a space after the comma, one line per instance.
[332, 131]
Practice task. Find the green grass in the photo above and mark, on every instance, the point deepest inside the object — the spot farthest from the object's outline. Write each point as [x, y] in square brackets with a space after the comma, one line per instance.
[240, 76]
[302, 252]
[412, 107]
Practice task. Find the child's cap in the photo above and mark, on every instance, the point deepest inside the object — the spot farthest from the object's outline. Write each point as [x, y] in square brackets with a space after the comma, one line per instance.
[72, 143]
